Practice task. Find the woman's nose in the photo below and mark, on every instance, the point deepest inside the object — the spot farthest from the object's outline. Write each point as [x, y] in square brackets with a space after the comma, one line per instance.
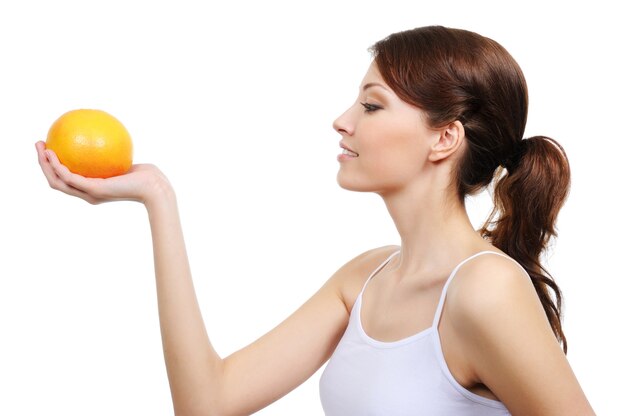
[343, 124]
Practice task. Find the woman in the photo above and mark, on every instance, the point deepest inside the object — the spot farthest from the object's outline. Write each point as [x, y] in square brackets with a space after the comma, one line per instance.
[452, 322]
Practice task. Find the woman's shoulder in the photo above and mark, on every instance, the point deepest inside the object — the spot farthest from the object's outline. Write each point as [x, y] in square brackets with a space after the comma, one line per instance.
[495, 314]
[491, 276]
[489, 285]
[351, 277]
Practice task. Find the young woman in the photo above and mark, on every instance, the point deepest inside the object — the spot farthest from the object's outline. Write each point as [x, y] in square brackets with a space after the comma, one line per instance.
[452, 322]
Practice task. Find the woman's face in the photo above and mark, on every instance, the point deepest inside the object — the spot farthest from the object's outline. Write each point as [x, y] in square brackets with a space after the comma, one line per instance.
[390, 137]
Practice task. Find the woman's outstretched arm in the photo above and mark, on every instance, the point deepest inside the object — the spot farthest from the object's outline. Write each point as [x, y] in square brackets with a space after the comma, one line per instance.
[201, 382]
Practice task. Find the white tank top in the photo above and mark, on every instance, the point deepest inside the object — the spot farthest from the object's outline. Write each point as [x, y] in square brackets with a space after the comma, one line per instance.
[366, 377]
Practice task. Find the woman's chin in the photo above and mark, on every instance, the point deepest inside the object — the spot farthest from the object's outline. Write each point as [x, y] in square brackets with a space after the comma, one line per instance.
[350, 184]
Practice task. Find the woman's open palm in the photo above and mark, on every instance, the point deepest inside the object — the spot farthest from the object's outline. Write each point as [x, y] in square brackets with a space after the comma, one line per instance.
[138, 184]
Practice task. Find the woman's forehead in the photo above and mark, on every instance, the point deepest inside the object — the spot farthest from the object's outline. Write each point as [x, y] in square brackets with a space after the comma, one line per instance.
[373, 78]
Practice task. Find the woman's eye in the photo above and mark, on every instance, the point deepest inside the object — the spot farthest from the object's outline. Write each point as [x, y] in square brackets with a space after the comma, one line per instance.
[370, 107]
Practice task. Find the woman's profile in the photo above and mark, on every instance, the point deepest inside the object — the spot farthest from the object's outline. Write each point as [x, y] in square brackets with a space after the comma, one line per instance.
[454, 321]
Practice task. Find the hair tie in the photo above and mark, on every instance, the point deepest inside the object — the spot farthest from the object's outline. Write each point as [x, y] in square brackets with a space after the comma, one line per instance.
[512, 162]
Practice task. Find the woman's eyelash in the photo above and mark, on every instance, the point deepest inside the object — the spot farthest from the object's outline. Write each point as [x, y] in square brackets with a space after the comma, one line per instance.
[370, 107]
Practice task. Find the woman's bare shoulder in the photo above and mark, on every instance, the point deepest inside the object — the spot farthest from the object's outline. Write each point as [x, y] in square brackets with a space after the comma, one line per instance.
[489, 281]
[489, 297]
[350, 278]
[507, 340]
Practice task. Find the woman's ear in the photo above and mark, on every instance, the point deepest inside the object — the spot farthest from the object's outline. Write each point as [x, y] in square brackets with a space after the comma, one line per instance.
[450, 139]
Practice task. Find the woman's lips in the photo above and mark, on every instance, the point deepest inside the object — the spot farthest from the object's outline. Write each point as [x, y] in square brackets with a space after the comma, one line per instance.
[346, 153]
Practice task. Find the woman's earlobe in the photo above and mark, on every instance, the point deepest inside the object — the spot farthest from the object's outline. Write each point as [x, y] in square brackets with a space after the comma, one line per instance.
[450, 139]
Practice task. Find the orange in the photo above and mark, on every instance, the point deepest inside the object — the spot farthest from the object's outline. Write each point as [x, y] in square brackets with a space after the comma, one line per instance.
[91, 143]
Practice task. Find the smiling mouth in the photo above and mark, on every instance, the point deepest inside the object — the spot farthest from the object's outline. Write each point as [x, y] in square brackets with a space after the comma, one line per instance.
[345, 151]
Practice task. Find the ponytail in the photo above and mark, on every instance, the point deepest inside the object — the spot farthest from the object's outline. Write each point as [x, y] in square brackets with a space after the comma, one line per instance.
[528, 194]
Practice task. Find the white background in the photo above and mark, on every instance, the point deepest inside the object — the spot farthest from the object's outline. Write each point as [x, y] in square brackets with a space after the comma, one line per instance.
[234, 102]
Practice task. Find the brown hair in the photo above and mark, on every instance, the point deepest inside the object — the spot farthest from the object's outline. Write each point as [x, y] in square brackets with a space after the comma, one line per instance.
[455, 74]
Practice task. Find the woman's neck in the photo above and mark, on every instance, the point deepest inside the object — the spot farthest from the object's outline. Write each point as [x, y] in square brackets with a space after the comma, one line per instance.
[434, 228]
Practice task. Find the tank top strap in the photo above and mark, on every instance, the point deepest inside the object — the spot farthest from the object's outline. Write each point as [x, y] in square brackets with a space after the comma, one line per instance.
[454, 271]
[383, 264]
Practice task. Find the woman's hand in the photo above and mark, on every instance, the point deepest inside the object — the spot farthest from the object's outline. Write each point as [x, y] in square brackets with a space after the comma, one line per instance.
[142, 183]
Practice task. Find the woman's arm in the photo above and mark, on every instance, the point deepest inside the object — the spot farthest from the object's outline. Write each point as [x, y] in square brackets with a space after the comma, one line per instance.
[201, 382]
[193, 367]
[508, 341]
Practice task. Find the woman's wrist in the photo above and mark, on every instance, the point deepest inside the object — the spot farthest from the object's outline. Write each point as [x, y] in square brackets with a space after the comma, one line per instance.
[160, 192]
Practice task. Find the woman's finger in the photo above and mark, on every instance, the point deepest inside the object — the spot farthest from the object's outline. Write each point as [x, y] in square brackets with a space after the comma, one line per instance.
[53, 180]
[71, 179]
[57, 174]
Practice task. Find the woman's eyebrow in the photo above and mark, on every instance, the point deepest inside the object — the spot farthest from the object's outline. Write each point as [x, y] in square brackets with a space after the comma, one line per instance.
[373, 84]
